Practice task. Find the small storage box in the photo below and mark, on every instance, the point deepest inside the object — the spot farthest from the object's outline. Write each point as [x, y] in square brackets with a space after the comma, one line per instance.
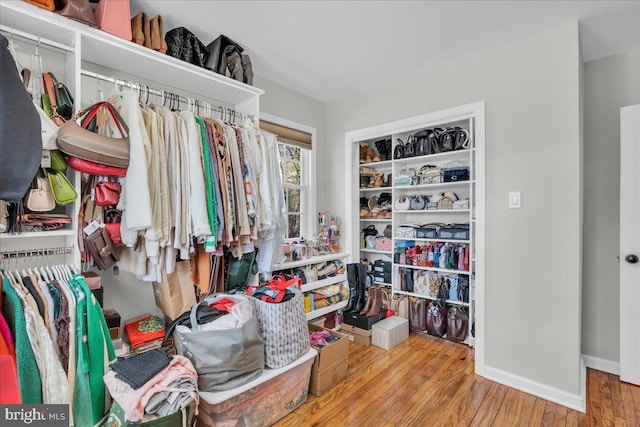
[390, 332]
[261, 402]
[454, 233]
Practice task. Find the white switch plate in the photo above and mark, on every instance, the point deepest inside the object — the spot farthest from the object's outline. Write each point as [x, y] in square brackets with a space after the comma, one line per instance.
[514, 199]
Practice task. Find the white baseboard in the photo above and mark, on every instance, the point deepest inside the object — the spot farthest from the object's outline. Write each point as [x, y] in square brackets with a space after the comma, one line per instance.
[552, 394]
[603, 365]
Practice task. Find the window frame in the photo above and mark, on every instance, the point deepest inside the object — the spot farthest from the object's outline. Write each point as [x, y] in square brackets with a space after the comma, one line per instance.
[308, 203]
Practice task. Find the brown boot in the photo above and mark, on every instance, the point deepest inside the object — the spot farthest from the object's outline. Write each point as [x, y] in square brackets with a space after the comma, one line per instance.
[376, 305]
[364, 149]
[146, 30]
[137, 36]
[367, 306]
[154, 29]
[163, 43]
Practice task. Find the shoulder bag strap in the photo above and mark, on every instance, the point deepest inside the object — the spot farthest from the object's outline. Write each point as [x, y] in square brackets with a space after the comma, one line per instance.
[51, 92]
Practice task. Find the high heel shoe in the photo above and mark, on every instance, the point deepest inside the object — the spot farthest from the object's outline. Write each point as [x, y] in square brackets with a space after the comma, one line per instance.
[376, 305]
[367, 305]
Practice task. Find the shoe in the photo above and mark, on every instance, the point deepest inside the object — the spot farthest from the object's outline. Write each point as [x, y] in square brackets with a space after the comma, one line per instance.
[382, 149]
[368, 157]
[234, 64]
[387, 181]
[362, 286]
[364, 149]
[352, 279]
[367, 306]
[137, 36]
[247, 69]
[376, 305]
[146, 30]
[379, 181]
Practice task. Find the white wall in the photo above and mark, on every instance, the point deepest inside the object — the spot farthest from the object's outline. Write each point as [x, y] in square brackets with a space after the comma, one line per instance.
[531, 89]
[610, 83]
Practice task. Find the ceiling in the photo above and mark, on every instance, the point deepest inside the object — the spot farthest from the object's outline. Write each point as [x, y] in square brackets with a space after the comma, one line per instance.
[331, 49]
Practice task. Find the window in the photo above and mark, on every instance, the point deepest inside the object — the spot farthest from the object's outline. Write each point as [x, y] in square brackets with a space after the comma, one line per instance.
[294, 163]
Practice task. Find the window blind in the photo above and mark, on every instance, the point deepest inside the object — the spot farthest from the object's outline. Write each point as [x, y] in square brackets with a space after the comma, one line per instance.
[288, 135]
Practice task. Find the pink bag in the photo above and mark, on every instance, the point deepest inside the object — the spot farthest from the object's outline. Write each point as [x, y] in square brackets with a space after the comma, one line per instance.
[114, 16]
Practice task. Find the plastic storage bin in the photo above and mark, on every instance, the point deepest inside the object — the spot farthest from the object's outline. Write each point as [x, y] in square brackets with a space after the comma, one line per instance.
[390, 332]
[262, 401]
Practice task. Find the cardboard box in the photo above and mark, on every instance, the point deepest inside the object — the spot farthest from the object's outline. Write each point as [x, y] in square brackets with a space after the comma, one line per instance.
[357, 335]
[362, 322]
[324, 380]
[330, 354]
[390, 332]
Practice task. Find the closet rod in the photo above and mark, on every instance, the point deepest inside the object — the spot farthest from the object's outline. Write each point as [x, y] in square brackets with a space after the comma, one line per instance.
[12, 32]
[161, 93]
[36, 252]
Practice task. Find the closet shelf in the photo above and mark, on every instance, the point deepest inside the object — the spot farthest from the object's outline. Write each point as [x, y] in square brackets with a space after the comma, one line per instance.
[432, 211]
[374, 251]
[416, 239]
[449, 155]
[412, 294]
[313, 260]
[375, 189]
[307, 287]
[34, 234]
[376, 164]
[328, 309]
[440, 270]
[437, 185]
[375, 220]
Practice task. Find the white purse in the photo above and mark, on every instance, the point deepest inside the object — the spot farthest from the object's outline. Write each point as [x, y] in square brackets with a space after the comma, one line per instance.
[402, 203]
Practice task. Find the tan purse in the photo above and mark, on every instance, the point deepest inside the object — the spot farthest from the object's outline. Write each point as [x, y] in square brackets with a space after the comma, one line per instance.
[40, 199]
[80, 141]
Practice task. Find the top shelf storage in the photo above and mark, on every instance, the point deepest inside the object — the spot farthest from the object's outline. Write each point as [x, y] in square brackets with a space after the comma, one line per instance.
[312, 260]
[107, 50]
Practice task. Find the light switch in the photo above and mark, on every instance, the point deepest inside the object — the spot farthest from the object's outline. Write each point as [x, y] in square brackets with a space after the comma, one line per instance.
[514, 199]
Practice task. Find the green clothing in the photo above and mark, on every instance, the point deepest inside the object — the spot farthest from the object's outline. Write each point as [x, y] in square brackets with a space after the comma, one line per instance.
[28, 373]
[212, 211]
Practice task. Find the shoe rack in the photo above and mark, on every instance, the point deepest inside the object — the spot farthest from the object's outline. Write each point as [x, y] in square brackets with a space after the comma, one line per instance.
[374, 160]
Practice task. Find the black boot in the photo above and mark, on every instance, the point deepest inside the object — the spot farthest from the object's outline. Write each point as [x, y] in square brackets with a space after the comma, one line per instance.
[382, 149]
[352, 278]
[362, 288]
[387, 144]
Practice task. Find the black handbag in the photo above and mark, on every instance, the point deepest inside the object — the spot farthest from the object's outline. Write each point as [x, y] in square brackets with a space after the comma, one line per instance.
[456, 174]
[422, 143]
[436, 319]
[20, 136]
[461, 139]
[446, 140]
[410, 147]
[239, 270]
[64, 100]
[218, 50]
[370, 231]
[434, 140]
[184, 45]
[398, 151]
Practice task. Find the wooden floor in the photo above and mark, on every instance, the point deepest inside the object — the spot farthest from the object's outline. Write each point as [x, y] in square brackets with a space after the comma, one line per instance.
[427, 381]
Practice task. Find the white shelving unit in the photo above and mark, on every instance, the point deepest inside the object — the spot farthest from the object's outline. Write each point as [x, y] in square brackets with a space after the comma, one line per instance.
[466, 117]
[69, 48]
[308, 287]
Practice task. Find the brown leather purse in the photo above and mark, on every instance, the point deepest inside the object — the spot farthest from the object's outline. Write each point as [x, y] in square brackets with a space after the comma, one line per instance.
[99, 246]
[436, 319]
[457, 323]
[81, 11]
[417, 314]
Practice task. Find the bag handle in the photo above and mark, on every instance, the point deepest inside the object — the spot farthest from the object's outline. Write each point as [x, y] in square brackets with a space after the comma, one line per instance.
[50, 91]
[90, 113]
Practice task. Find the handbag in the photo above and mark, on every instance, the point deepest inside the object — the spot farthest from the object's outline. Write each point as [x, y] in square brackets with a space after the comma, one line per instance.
[398, 150]
[63, 191]
[430, 174]
[107, 193]
[422, 143]
[417, 314]
[461, 139]
[99, 246]
[217, 53]
[455, 174]
[418, 202]
[283, 326]
[445, 200]
[45, 221]
[457, 323]
[404, 177]
[463, 288]
[175, 294]
[410, 147]
[112, 220]
[20, 139]
[58, 162]
[388, 231]
[453, 288]
[60, 98]
[114, 17]
[436, 319]
[370, 242]
[402, 203]
[400, 306]
[76, 140]
[97, 169]
[40, 198]
[370, 230]
[45, 4]
[184, 45]
[238, 271]
[81, 11]
[224, 358]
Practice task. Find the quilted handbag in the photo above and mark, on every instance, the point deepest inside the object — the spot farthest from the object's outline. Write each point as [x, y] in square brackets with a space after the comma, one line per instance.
[79, 140]
[436, 319]
[404, 177]
[455, 174]
[184, 45]
[283, 326]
